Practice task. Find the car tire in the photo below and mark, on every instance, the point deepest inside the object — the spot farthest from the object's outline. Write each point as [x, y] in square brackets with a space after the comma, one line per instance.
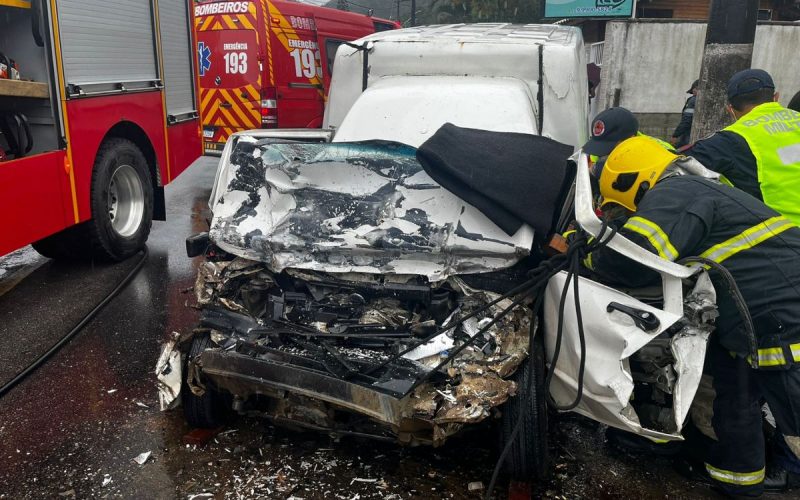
[528, 458]
[121, 201]
[210, 410]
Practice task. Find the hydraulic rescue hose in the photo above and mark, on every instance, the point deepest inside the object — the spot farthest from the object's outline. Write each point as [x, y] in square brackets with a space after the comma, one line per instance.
[581, 248]
[578, 250]
[538, 279]
[77, 328]
[738, 299]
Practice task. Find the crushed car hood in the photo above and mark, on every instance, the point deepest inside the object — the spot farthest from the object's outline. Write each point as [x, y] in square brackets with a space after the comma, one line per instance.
[351, 207]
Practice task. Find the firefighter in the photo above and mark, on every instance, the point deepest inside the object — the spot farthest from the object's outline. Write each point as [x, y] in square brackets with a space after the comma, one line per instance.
[676, 216]
[609, 128]
[680, 137]
[760, 152]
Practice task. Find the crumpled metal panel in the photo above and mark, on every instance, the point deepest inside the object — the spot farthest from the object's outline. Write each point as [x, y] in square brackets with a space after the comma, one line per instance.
[612, 339]
[357, 207]
[168, 374]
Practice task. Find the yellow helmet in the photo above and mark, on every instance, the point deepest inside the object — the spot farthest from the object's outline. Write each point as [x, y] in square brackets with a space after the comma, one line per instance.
[632, 168]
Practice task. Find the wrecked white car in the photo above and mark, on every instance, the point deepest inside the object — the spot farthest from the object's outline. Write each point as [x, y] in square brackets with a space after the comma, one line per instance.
[345, 290]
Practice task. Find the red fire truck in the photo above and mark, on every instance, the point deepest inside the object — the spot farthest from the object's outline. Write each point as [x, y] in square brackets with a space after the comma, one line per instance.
[267, 63]
[97, 113]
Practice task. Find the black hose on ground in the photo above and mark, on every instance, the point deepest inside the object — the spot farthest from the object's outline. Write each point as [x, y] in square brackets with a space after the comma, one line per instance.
[77, 328]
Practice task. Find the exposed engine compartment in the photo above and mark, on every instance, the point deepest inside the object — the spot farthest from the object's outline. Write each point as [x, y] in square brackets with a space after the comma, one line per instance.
[343, 327]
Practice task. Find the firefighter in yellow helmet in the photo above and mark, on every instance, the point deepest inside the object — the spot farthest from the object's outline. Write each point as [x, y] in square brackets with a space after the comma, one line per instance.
[677, 216]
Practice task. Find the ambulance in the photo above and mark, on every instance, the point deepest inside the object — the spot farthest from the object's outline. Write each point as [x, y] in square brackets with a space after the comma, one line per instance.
[267, 63]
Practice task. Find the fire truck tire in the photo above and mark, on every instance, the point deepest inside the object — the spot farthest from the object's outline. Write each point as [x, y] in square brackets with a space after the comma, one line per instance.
[210, 410]
[528, 458]
[121, 200]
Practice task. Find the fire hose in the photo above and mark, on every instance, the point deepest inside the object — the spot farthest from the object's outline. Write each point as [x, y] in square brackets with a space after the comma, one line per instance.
[77, 328]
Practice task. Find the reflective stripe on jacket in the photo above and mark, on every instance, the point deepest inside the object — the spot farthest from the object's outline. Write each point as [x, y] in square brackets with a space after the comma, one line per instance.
[773, 134]
[686, 216]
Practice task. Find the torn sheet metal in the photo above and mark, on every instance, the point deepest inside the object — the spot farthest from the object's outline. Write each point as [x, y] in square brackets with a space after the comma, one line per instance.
[168, 374]
[689, 345]
[351, 207]
[614, 344]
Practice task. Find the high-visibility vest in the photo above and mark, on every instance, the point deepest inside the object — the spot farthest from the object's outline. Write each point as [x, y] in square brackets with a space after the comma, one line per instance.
[773, 134]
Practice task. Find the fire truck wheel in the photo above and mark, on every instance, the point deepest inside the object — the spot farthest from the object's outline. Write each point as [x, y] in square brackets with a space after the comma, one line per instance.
[528, 459]
[122, 201]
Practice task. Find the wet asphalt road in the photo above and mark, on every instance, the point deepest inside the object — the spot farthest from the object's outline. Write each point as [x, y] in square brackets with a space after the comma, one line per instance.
[73, 428]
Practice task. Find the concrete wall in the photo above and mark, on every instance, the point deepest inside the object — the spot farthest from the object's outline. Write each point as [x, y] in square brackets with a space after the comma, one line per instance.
[648, 66]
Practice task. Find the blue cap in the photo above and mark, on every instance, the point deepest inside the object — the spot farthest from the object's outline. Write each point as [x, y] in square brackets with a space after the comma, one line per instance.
[609, 128]
[749, 80]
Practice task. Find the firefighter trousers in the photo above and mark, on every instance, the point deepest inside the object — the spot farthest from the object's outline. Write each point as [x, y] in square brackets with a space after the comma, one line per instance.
[736, 460]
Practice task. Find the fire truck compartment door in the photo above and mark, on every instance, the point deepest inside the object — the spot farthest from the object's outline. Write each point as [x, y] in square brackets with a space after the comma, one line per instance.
[232, 60]
[301, 86]
[229, 78]
[176, 46]
[105, 43]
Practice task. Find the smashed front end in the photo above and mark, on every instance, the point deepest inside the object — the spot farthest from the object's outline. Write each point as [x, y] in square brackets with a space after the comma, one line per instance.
[326, 262]
[308, 348]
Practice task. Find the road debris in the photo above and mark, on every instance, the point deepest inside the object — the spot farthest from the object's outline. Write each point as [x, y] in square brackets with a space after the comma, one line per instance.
[168, 374]
[363, 480]
[142, 457]
[475, 486]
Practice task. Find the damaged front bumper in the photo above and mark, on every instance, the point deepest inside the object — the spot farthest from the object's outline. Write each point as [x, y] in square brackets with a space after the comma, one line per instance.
[314, 357]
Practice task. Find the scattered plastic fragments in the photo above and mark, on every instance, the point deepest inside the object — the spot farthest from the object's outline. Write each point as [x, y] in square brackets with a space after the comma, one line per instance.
[362, 480]
[142, 457]
[201, 495]
[475, 486]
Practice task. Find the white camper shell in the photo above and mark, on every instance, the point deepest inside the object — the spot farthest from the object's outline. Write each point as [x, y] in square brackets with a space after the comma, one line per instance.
[403, 85]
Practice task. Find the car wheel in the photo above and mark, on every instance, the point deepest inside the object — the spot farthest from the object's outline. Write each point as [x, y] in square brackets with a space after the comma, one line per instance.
[121, 200]
[528, 458]
[210, 410]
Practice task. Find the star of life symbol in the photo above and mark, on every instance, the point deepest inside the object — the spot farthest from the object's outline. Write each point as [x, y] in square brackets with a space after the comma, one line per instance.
[204, 55]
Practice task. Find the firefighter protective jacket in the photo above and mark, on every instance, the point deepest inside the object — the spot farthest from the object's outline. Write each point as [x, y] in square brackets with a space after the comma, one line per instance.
[686, 216]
